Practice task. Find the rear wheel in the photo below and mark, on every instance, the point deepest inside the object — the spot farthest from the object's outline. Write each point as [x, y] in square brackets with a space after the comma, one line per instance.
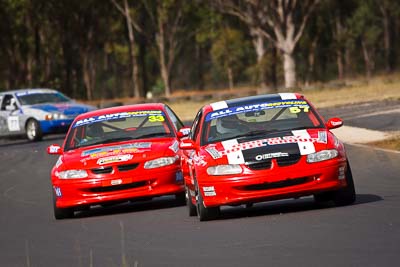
[203, 213]
[33, 131]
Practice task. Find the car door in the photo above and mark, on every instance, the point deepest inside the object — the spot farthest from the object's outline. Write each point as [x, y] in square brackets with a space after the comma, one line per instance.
[10, 116]
[3, 118]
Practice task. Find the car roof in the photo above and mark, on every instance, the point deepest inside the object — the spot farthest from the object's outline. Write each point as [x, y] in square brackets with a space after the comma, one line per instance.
[134, 107]
[248, 100]
[29, 90]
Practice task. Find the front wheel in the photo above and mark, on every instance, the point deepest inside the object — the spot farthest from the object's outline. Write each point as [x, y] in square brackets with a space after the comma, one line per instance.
[62, 213]
[180, 198]
[203, 213]
[346, 195]
[191, 208]
[33, 131]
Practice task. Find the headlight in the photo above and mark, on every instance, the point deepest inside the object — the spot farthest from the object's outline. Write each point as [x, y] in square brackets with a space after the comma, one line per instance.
[224, 169]
[160, 162]
[322, 155]
[72, 174]
[55, 116]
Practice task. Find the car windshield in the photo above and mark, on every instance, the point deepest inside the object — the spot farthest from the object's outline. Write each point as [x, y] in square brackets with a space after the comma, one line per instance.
[118, 127]
[41, 97]
[257, 120]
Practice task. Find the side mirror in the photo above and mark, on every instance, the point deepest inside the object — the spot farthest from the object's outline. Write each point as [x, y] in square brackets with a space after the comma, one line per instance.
[334, 123]
[187, 144]
[54, 150]
[185, 131]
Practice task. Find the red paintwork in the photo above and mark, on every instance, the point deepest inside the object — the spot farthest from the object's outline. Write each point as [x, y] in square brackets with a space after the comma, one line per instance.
[103, 188]
[231, 189]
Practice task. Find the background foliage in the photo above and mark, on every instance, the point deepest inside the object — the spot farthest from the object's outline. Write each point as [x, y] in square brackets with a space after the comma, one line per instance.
[83, 48]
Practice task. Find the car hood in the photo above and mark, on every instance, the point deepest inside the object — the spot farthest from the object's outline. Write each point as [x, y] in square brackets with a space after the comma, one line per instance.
[119, 153]
[285, 146]
[70, 109]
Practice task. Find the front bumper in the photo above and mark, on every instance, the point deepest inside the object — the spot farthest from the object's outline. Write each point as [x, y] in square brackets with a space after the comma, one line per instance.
[110, 188]
[274, 184]
[55, 126]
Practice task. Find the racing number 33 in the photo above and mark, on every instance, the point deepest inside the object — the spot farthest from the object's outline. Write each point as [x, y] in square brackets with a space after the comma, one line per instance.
[157, 118]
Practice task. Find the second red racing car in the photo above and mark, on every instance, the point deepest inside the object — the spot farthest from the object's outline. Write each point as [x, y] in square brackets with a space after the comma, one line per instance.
[260, 148]
[115, 155]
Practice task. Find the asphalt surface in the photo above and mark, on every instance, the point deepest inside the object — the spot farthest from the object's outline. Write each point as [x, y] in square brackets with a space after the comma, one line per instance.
[381, 116]
[160, 233]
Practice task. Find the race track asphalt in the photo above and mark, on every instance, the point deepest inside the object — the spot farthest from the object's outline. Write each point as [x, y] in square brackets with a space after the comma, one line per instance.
[160, 232]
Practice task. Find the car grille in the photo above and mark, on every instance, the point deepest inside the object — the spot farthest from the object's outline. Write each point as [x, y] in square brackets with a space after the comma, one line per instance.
[263, 165]
[118, 187]
[266, 164]
[286, 161]
[276, 185]
[127, 167]
[109, 169]
[102, 170]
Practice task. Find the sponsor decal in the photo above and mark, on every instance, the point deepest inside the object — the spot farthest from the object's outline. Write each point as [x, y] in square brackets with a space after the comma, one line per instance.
[305, 143]
[322, 137]
[178, 177]
[113, 159]
[13, 123]
[294, 105]
[341, 175]
[57, 191]
[31, 92]
[174, 147]
[286, 96]
[154, 116]
[219, 105]
[116, 150]
[116, 182]
[272, 155]
[214, 153]
[209, 191]
[54, 149]
[235, 157]
[268, 141]
[336, 123]
[199, 160]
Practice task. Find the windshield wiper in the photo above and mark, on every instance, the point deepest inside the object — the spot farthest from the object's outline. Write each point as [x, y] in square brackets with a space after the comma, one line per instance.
[151, 135]
[112, 140]
[254, 133]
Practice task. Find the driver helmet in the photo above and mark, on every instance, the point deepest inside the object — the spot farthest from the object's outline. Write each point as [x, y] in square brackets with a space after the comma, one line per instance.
[94, 130]
[228, 124]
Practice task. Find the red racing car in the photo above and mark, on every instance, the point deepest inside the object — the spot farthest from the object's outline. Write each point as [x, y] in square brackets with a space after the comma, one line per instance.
[115, 155]
[261, 148]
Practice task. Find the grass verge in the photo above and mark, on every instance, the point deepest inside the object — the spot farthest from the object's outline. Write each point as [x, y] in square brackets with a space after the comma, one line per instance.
[392, 143]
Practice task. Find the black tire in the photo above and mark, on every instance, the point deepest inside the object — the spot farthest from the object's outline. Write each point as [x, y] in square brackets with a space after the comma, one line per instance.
[346, 195]
[342, 197]
[180, 198]
[33, 131]
[323, 198]
[62, 213]
[191, 208]
[203, 213]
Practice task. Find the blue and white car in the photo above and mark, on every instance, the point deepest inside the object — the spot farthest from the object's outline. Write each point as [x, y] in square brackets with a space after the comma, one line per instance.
[37, 112]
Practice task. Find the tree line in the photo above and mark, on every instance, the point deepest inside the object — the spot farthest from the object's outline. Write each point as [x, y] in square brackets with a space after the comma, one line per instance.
[92, 49]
